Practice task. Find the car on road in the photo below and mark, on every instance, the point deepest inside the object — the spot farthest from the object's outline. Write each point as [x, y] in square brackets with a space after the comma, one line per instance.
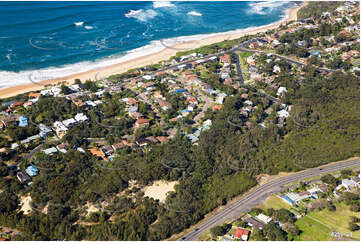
[183, 238]
[196, 229]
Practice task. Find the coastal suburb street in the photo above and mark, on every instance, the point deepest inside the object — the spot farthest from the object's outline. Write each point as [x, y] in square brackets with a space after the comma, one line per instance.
[253, 198]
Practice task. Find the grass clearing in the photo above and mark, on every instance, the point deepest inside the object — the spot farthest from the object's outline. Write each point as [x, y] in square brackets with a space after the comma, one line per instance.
[319, 225]
[275, 202]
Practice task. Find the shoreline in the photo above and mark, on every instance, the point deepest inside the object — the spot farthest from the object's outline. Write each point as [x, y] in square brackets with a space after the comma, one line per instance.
[153, 58]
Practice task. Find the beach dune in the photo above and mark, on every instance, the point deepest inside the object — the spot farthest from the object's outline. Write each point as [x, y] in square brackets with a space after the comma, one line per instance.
[164, 54]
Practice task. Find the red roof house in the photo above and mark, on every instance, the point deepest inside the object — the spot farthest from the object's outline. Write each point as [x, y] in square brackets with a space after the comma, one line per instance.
[242, 234]
[141, 122]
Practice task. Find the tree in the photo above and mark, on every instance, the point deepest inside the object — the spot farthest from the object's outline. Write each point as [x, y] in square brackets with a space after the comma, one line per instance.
[355, 219]
[257, 235]
[291, 229]
[220, 230]
[283, 215]
[331, 207]
[329, 179]
[65, 89]
[273, 232]
[346, 173]
[353, 226]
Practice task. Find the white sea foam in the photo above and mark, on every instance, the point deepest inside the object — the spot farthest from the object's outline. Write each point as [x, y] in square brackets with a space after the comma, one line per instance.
[264, 8]
[194, 13]
[8, 79]
[78, 23]
[141, 15]
[162, 4]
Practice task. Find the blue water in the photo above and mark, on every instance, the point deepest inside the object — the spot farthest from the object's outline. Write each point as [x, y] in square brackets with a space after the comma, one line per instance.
[43, 35]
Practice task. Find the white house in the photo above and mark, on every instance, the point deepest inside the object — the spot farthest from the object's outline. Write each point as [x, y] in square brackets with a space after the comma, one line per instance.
[80, 117]
[50, 151]
[56, 91]
[59, 127]
[283, 113]
[264, 218]
[276, 69]
[281, 90]
[348, 184]
[69, 122]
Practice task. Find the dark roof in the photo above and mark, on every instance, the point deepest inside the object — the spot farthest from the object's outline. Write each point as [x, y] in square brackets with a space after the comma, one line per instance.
[254, 222]
[23, 177]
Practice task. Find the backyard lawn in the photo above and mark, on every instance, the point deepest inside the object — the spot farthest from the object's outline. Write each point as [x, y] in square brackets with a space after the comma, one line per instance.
[319, 225]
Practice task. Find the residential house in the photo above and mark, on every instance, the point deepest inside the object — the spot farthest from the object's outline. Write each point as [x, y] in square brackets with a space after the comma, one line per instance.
[263, 218]
[50, 151]
[304, 195]
[348, 184]
[29, 139]
[79, 102]
[283, 113]
[323, 187]
[185, 112]
[60, 128]
[281, 91]
[152, 139]
[141, 122]
[165, 105]
[32, 170]
[142, 142]
[56, 91]
[23, 121]
[117, 146]
[34, 95]
[276, 69]
[244, 95]
[254, 45]
[43, 130]
[80, 117]
[251, 61]
[220, 98]
[242, 234]
[69, 122]
[226, 58]
[162, 139]
[23, 177]
[254, 223]
[96, 152]
[27, 104]
[107, 150]
[62, 148]
[217, 107]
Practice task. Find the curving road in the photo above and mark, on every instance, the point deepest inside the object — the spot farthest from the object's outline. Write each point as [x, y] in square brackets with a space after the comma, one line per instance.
[253, 198]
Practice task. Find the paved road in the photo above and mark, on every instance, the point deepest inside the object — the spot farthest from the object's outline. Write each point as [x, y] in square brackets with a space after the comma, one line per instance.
[253, 198]
[239, 69]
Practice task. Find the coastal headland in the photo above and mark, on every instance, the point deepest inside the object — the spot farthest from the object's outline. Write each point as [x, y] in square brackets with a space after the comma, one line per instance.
[153, 58]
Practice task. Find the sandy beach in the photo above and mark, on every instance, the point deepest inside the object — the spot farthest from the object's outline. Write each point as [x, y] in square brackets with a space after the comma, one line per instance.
[164, 54]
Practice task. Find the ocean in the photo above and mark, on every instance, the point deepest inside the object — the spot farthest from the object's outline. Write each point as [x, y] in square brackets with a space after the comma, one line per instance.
[44, 40]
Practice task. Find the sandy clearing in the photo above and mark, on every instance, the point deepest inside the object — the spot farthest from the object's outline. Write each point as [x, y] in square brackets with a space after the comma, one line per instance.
[25, 204]
[159, 189]
[91, 208]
